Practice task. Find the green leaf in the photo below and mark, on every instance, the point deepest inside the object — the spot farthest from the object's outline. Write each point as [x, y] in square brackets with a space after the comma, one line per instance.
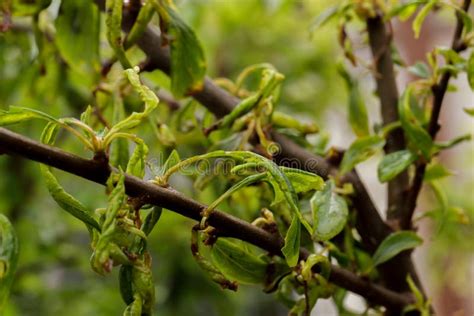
[436, 171]
[291, 249]
[330, 212]
[394, 163]
[137, 163]
[395, 243]
[421, 70]
[8, 258]
[405, 10]
[469, 111]
[66, 201]
[148, 97]
[360, 150]
[151, 219]
[78, 42]
[18, 114]
[173, 159]
[324, 18]
[303, 181]
[452, 142]
[188, 65]
[113, 21]
[358, 117]
[418, 21]
[418, 136]
[119, 150]
[237, 263]
[470, 71]
[143, 18]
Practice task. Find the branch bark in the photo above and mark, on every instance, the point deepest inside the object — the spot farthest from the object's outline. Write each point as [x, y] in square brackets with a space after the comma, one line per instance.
[230, 226]
[438, 90]
[380, 41]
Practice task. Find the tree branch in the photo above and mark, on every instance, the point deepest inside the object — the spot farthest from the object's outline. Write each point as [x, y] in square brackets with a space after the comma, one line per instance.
[15, 144]
[380, 41]
[220, 102]
[438, 90]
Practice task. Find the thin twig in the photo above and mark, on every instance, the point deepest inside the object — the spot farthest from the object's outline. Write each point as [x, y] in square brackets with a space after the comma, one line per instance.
[438, 90]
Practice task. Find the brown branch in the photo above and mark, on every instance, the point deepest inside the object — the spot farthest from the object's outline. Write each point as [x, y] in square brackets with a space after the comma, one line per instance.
[15, 144]
[438, 90]
[220, 102]
[380, 41]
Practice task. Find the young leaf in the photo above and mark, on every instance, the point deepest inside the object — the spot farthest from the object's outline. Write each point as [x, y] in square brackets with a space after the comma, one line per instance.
[136, 164]
[324, 18]
[78, 42]
[66, 201]
[395, 243]
[303, 181]
[17, 114]
[436, 171]
[420, 69]
[406, 9]
[360, 150]
[113, 20]
[143, 18]
[470, 70]
[291, 249]
[394, 163]
[8, 258]
[173, 159]
[148, 97]
[418, 136]
[330, 212]
[119, 150]
[469, 111]
[188, 65]
[151, 219]
[358, 117]
[418, 21]
[238, 264]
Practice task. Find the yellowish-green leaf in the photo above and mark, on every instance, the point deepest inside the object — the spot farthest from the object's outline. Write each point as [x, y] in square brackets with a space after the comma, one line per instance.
[415, 132]
[394, 163]
[303, 181]
[137, 163]
[470, 71]
[418, 21]
[360, 150]
[66, 201]
[291, 249]
[113, 21]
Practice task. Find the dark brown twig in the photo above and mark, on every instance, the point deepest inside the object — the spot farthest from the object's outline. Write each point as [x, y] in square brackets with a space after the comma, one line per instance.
[438, 90]
[15, 144]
